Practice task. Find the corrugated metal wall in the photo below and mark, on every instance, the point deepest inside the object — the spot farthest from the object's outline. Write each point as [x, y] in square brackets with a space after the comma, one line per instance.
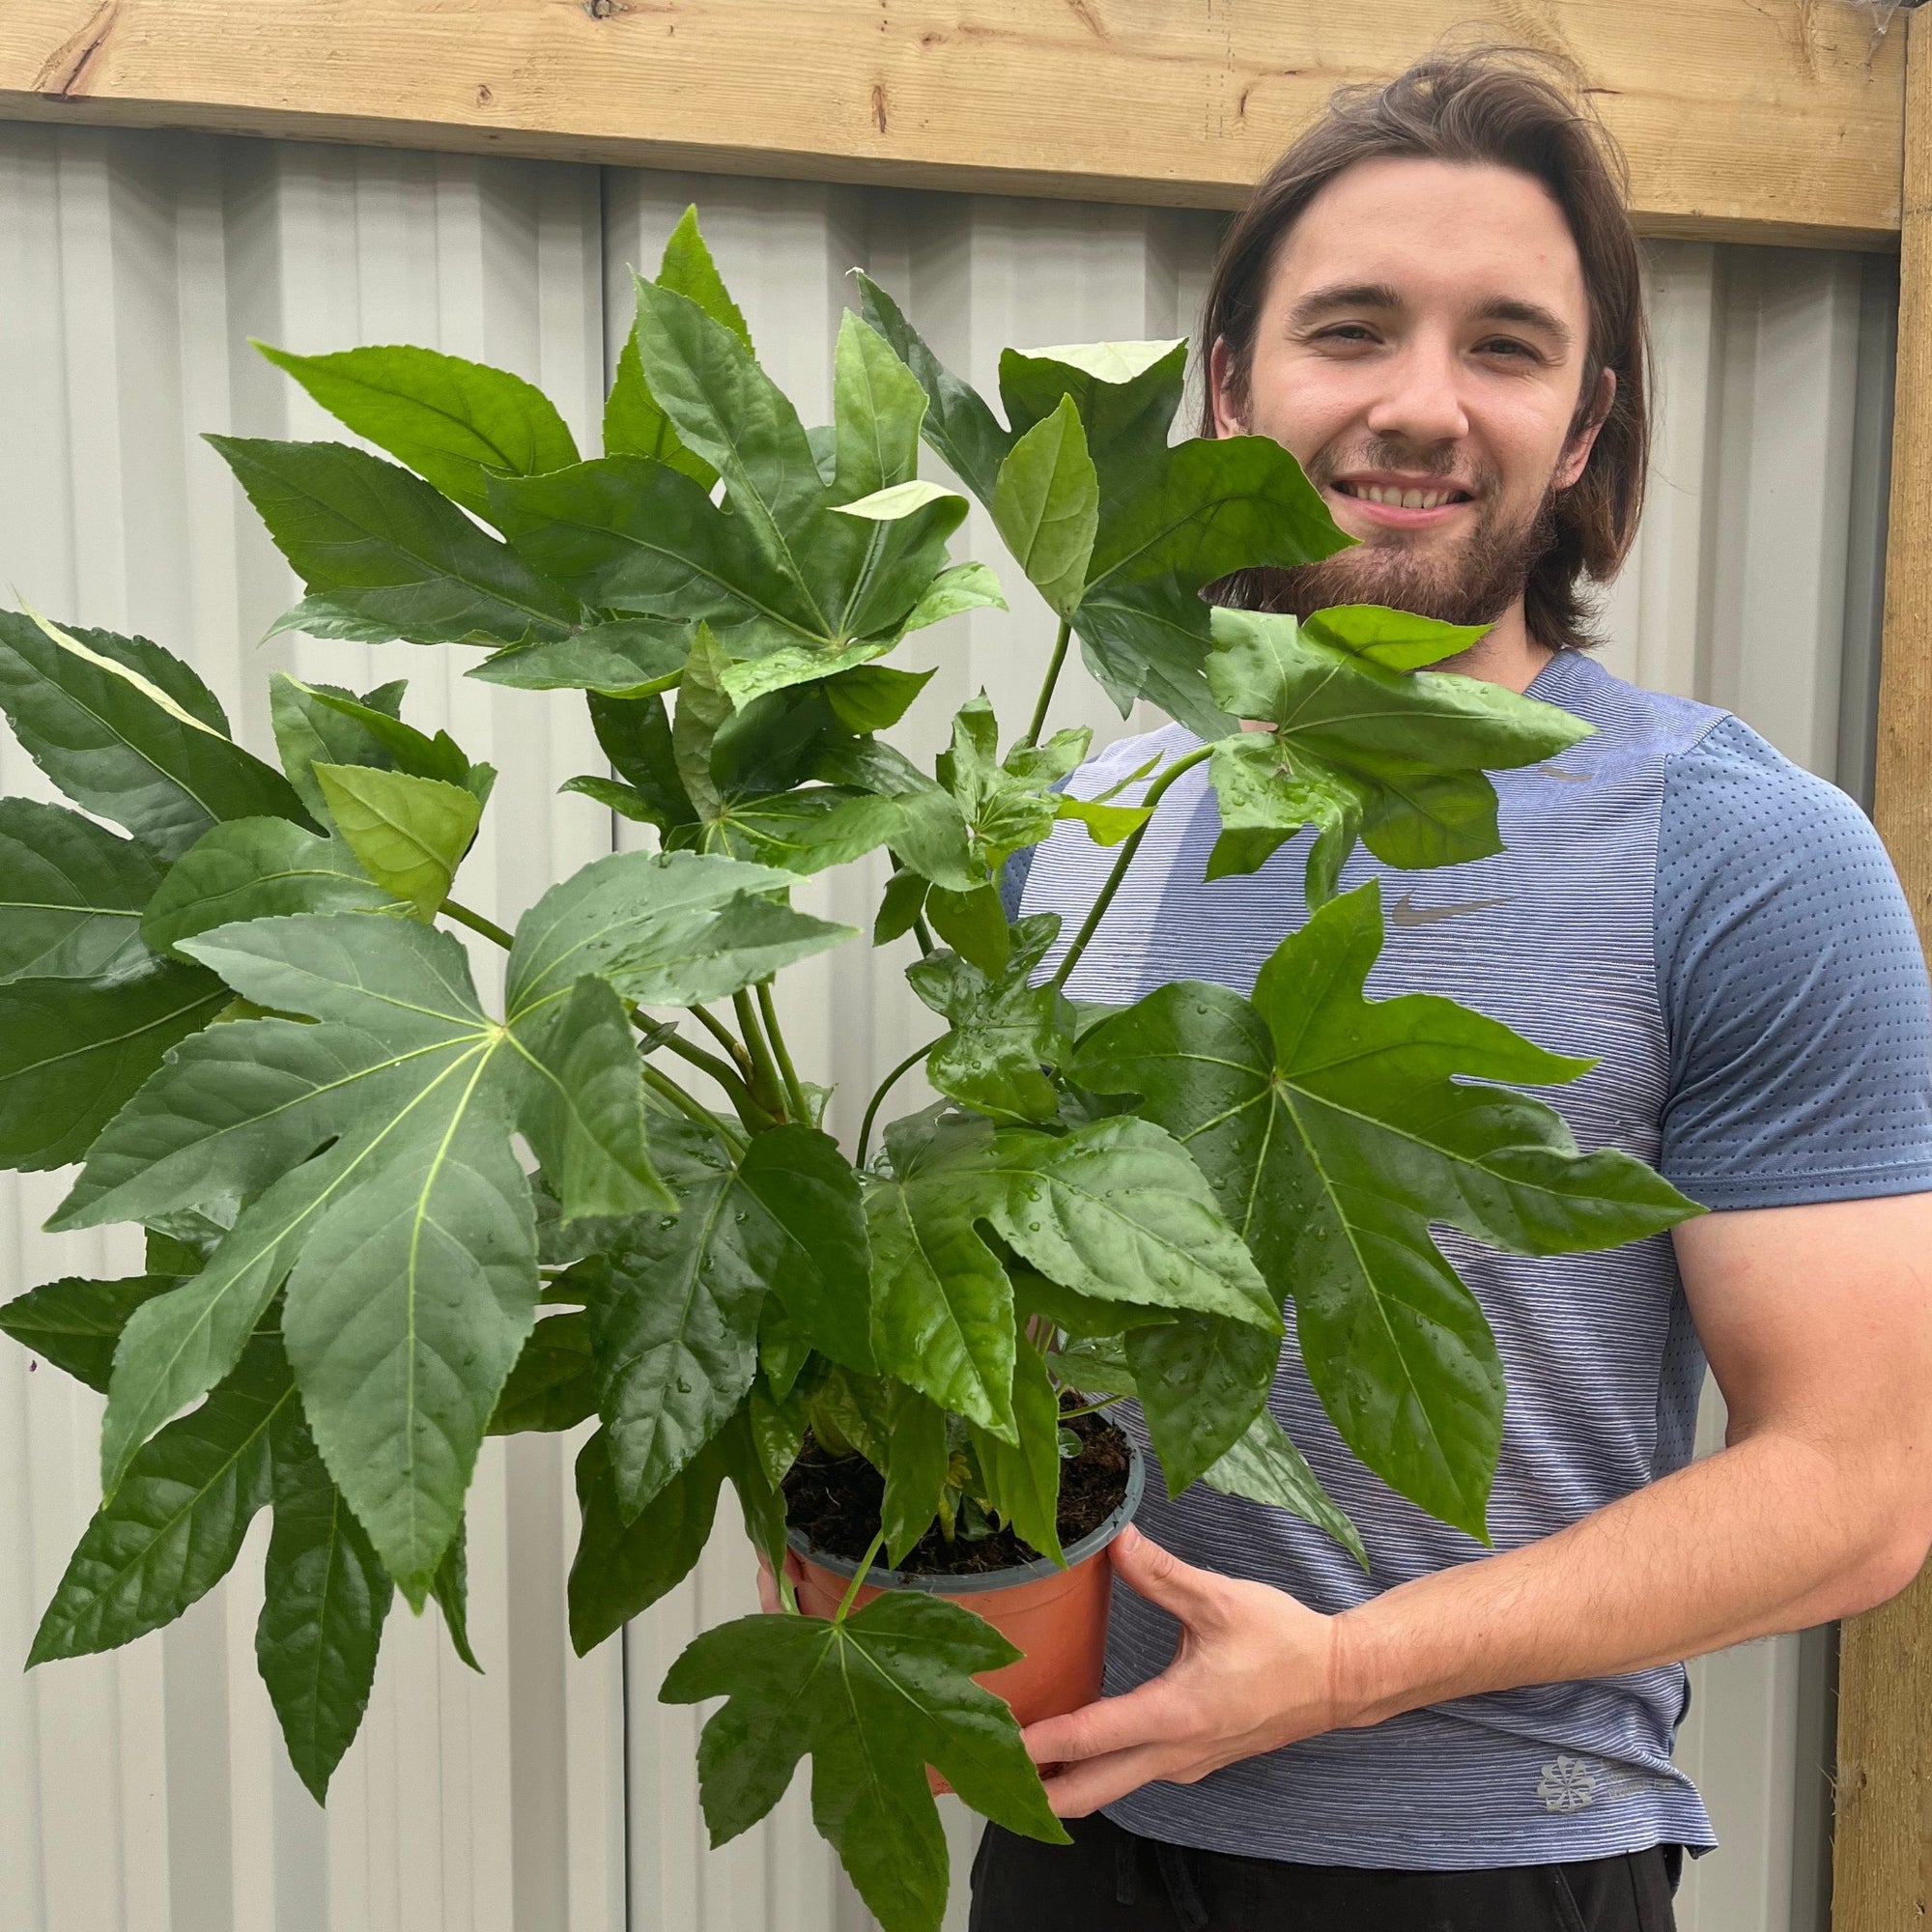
[145, 1792]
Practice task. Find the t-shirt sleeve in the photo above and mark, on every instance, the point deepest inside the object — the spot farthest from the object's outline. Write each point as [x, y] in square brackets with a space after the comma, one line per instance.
[1793, 987]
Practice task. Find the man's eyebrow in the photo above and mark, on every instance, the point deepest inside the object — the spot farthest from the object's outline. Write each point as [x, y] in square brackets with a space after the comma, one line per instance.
[1319, 303]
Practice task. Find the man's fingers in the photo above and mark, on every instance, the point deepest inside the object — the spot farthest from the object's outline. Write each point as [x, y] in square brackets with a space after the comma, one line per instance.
[1158, 1575]
[1082, 1789]
[1146, 1715]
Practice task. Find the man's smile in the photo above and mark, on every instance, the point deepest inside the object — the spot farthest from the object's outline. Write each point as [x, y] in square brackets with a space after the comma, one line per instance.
[1392, 500]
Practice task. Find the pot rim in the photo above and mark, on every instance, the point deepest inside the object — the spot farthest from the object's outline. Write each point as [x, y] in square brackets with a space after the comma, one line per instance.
[1091, 1543]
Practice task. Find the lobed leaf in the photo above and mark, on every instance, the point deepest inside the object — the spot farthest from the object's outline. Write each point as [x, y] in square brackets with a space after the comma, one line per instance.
[70, 896]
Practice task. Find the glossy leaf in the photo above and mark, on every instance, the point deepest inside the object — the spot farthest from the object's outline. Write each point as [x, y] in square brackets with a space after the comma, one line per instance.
[74, 1051]
[1395, 640]
[95, 714]
[256, 869]
[1201, 1381]
[74, 1323]
[553, 1386]
[942, 1305]
[918, 1459]
[1003, 1029]
[1334, 1129]
[1023, 1479]
[624, 658]
[873, 1700]
[452, 421]
[409, 833]
[389, 549]
[965, 586]
[584, 1110]
[1047, 506]
[1266, 1468]
[1151, 641]
[174, 1529]
[325, 1598]
[70, 896]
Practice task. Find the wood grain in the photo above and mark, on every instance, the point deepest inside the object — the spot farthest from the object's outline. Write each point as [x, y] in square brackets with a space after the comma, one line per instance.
[1881, 1855]
[1768, 120]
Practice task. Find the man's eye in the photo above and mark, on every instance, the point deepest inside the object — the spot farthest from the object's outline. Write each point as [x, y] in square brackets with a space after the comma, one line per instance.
[1510, 348]
[1346, 332]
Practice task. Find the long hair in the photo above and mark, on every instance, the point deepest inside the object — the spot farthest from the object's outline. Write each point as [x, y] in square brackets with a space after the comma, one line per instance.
[1515, 109]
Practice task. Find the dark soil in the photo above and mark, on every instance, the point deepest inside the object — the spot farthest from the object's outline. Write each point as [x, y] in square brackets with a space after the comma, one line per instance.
[834, 1500]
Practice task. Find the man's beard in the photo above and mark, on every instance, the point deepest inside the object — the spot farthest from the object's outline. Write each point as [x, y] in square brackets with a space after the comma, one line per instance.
[1474, 583]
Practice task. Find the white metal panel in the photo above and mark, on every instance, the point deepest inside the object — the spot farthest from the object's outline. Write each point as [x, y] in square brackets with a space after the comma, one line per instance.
[148, 1789]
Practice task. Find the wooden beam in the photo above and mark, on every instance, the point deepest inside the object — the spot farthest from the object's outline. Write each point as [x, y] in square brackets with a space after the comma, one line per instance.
[1759, 120]
[1882, 1857]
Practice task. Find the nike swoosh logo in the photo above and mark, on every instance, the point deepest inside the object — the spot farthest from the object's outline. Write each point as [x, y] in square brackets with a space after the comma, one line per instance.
[1406, 912]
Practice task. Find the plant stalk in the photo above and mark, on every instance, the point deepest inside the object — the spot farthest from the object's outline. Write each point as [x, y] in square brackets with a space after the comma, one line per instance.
[885, 1087]
[667, 1088]
[853, 1588]
[922, 932]
[767, 1088]
[1045, 697]
[795, 1099]
[476, 923]
[725, 1038]
[1091, 925]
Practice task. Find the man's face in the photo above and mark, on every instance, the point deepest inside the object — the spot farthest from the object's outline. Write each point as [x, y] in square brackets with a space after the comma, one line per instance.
[1420, 350]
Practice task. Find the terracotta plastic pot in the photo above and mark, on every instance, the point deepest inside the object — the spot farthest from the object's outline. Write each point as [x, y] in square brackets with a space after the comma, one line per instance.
[1057, 1617]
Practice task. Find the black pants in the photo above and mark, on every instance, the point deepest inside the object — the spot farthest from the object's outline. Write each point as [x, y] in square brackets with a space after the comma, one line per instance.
[1108, 1880]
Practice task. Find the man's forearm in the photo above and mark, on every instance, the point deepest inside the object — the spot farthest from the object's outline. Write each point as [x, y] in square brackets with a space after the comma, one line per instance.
[1769, 1535]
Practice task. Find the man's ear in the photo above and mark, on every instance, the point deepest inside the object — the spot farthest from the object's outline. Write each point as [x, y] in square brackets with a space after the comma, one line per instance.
[1583, 437]
[1229, 419]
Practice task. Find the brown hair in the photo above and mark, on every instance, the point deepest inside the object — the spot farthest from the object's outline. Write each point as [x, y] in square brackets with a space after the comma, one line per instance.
[1515, 109]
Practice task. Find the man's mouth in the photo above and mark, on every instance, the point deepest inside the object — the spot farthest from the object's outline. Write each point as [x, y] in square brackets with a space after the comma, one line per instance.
[1403, 496]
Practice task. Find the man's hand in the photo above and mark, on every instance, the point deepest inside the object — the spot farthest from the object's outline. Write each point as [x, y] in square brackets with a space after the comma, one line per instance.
[1253, 1670]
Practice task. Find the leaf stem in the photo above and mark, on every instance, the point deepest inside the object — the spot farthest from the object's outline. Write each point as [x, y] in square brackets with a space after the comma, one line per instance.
[476, 923]
[767, 1088]
[1091, 1409]
[885, 1087]
[858, 1577]
[754, 1115]
[795, 1100]
[667, 1088]
[1045, 697]
[922, 932]
[1091, 925]
[724, 1036]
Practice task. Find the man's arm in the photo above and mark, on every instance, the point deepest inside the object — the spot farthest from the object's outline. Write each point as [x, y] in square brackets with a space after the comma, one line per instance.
[1817, 1322]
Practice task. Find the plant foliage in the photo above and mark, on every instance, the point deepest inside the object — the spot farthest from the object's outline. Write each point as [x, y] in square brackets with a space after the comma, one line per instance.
[386, 1218]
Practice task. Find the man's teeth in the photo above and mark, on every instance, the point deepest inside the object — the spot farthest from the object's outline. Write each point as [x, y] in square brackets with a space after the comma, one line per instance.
[1401, 500]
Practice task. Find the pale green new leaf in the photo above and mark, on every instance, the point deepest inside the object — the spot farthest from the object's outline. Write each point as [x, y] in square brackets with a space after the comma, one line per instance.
[878, 407]
[409, 833]
[897, 501]
[309, 732]
[70, 896]
[965, 586]
[1395, 640]
[452, 421]
[873, 1700]
[1047, 504]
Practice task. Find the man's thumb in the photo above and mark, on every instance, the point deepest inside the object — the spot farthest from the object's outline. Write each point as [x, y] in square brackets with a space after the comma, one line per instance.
[1156, 1573]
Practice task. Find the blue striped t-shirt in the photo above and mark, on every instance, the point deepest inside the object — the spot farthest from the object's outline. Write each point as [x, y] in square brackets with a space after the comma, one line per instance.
[1723, 933]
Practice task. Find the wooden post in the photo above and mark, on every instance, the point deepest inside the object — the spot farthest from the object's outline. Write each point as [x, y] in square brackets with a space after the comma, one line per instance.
[1882, 1852]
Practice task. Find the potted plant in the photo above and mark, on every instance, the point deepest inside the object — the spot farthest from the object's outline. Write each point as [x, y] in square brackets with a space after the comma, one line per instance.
[384, 1220]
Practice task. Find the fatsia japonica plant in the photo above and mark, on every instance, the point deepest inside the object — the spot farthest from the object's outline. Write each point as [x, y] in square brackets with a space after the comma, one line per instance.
[384, 1220]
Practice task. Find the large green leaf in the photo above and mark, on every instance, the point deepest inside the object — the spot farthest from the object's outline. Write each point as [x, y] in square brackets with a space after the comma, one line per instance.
[585, 1114]
[388, 548]
[957, 422]
[1395, 640]
[407, 833]
[1266, 1468]
[1117, 1208]
[1005, 1030]
[874, 1699]
[70, 896]
[452, 421]
[676, 928]
[1151, 640]
[73, 1051]
[1047, 506]
[677, 1312]
[326, 1597]
[95, 714]
[942, 1305]
[256, 869]
[553, 1386]
[1201, 1379]
[627, 657]
[1334, 1129]
[1356, 746]
[74, 1323]
[174, 1529]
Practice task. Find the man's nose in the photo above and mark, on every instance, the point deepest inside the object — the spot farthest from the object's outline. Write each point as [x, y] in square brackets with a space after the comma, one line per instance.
[1423, 401]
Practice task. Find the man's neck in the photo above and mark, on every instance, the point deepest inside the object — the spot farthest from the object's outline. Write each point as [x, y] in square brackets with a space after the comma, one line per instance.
[1506, 654]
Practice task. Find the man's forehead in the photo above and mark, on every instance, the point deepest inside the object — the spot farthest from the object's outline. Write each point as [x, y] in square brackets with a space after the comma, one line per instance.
[1413, 232]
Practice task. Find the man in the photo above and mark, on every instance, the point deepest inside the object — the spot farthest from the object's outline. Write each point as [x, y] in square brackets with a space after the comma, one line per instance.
[1433, 302]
